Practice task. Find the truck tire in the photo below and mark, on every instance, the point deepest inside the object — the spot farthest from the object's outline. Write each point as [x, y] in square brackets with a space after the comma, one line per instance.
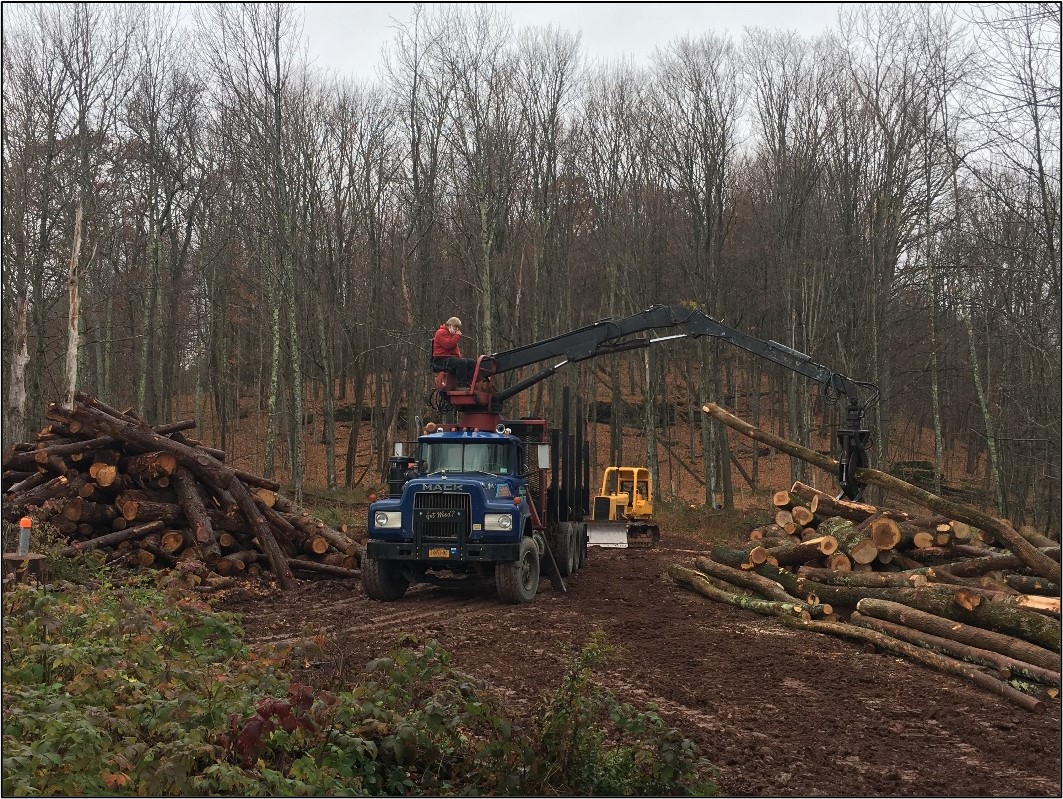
[564, 540]
[518, 582]
[383, 580]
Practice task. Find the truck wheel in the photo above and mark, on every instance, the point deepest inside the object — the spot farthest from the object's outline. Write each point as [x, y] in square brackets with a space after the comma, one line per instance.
[564, 553]
[383, 580]
[518, 582]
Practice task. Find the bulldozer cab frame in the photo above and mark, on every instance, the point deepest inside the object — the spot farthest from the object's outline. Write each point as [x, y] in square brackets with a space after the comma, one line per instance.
[623, 509]
[630, 492]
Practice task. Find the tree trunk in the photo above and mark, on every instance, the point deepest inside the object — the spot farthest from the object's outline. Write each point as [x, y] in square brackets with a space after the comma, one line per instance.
[73, 316]
[1031, 556]
[762, 585]
[15, 416]
[1005, 667]
[691, 579]
[324, 568]
[111, 539]
[862, 579]
[958, 631]
[278, 562]
[794, 554]
[927, 658]
[196, 513]
[853, 542]
[938, 600]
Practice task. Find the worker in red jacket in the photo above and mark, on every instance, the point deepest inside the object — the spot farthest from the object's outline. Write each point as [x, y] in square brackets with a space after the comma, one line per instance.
[446, 353]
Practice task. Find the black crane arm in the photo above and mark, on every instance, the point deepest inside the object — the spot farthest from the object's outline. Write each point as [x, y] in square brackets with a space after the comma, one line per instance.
[611, 336]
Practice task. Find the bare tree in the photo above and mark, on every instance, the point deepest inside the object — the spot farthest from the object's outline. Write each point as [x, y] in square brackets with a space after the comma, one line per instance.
[251, 52]
[36, 90]
[698, 93]
[94, 47]
[485, 155]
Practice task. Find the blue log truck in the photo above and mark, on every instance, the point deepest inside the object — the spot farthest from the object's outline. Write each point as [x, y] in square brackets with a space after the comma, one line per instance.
[506, 500]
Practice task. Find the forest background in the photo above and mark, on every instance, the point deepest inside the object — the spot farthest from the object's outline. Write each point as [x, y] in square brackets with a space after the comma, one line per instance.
[196, 220]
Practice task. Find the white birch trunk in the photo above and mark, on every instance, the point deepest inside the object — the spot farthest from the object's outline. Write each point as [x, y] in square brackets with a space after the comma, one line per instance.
[15, 417]
[72, 329]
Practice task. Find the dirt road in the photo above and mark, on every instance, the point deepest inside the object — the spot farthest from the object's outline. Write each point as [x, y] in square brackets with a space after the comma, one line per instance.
[780, 712]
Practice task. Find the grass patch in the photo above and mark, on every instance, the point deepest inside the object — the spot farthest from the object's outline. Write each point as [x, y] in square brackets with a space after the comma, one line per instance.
[137, 689]
[708, 525]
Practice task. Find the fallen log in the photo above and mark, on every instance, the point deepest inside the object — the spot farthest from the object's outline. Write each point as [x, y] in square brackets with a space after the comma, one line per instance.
[277, 560]
[945, 646]
[824, 504]
[32, 481]
[148, 465]
[983, 563]
[915, 536]
[803, 517]
[863, 579]
[958, 631]
[793, 554]
[196, 514]
[769, 589]
[853, 542]
[939, 600]
[924, 656]
[324, 568]
[1031, 556]
[782, 500]
[885, 532]
[1036, 538]
[1032, 585]
[112, 539]
[691, 579]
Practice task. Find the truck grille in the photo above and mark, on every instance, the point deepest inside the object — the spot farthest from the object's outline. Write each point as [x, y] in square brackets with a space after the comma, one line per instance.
[441, 516]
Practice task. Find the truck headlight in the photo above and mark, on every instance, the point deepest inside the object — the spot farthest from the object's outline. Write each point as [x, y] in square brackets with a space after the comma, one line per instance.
[382, 520]
[498, 521]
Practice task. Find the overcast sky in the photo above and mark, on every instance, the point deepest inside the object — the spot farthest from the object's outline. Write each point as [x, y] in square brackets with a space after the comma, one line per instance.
[348, 37]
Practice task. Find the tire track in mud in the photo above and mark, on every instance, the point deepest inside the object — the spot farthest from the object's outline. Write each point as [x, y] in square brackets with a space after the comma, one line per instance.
[355, 616]
[778, 712]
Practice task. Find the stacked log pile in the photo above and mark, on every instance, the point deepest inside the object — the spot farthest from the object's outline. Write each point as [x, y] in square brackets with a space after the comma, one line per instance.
[928, 586]
[151, 496]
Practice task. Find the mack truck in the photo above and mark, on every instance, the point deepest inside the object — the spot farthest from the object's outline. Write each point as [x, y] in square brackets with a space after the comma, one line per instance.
[506, 500]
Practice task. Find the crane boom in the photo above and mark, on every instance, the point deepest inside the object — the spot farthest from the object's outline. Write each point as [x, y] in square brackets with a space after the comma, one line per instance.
[608, 337]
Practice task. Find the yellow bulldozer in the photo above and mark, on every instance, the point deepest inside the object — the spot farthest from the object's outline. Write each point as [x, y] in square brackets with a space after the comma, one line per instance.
[622, 513]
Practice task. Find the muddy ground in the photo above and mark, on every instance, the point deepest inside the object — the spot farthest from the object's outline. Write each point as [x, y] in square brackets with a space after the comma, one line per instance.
[780, 712]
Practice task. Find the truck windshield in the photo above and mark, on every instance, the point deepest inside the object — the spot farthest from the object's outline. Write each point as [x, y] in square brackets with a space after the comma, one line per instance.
[459, 457]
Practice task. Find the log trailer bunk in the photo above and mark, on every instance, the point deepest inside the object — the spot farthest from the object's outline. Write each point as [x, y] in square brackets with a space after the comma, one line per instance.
[474, 497]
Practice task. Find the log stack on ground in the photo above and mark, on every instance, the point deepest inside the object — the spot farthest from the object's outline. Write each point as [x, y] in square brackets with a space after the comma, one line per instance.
[150, 496]
[980, 601]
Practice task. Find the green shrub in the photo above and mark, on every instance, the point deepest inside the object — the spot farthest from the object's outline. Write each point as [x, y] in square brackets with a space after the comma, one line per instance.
[592, 744]
[118, 690]
[132, 691]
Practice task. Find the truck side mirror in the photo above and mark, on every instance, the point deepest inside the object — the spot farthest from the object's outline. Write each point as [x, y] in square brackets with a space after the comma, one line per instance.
[543, 451]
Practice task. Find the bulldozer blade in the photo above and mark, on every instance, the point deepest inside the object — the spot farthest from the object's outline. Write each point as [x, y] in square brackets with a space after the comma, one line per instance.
[607, 534]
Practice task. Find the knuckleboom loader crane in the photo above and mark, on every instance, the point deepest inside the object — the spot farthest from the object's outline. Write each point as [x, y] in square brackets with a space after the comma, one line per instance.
[490, 497]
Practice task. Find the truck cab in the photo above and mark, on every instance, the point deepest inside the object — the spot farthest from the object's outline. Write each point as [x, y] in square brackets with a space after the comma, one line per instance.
[465, 503]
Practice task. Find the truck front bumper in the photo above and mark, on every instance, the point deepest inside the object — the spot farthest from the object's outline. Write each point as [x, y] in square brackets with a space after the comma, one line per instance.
[434, 552]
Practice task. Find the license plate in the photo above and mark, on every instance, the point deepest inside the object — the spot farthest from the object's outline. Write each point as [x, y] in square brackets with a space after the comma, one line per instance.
[439, 553]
